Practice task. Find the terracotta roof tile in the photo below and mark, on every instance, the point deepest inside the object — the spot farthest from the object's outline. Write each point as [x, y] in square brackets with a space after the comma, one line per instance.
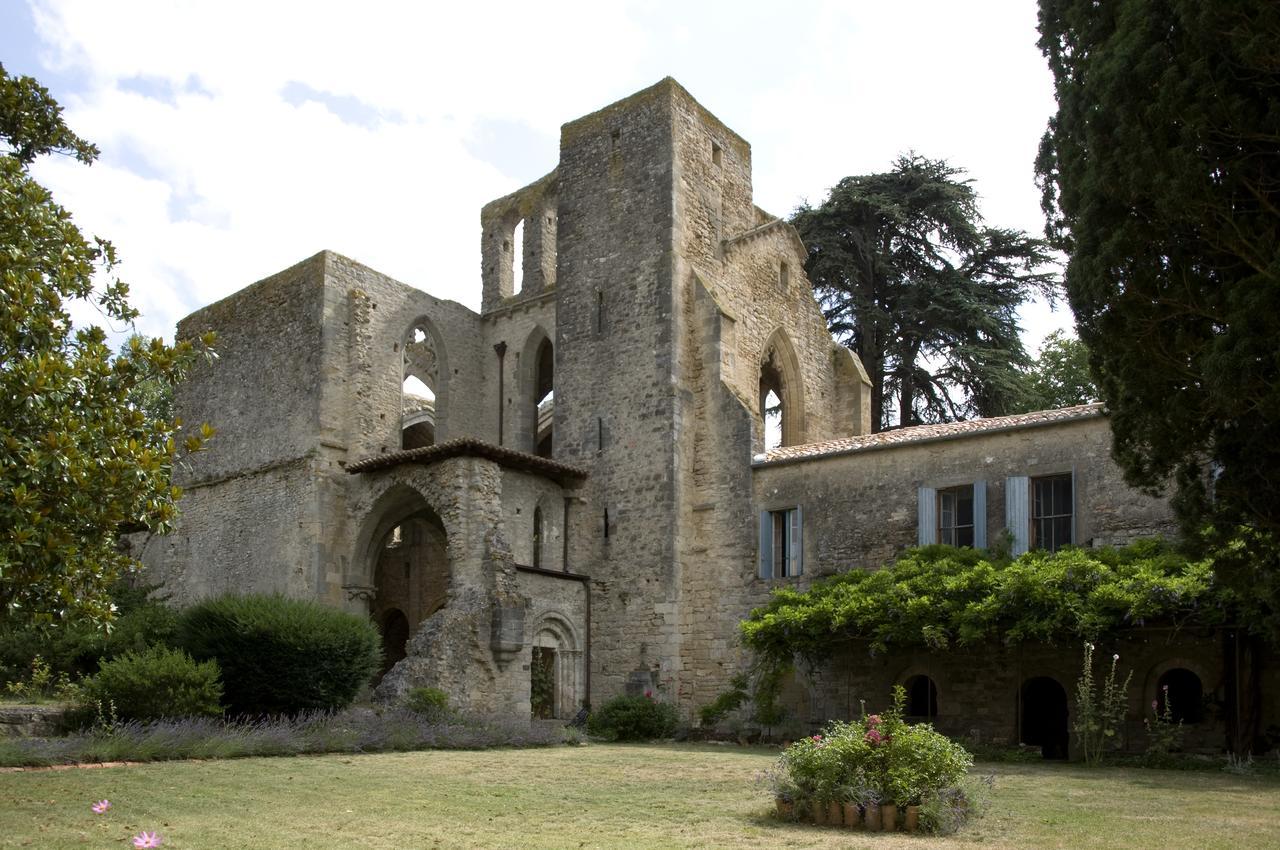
[927, 433]
[471, 447]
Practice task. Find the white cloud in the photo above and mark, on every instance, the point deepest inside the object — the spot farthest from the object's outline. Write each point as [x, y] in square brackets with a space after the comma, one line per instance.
[217, 172]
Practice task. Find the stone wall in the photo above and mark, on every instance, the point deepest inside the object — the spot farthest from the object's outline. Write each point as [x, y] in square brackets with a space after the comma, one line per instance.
[860, 508]
[980, 689]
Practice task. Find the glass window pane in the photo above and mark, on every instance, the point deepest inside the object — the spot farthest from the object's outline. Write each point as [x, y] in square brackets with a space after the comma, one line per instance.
[964, 506]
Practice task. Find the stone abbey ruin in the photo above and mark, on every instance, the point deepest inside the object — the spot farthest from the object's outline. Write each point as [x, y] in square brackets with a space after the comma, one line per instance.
[573, 486]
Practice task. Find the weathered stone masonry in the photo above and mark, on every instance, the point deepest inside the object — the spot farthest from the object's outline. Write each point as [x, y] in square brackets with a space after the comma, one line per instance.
[576, 496]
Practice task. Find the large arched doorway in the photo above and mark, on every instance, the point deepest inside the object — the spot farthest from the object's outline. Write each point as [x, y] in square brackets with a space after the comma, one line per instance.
[1043, 720]
[410, 579]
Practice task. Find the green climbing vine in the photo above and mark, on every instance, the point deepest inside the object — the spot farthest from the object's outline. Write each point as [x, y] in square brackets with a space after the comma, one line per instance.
[941, 596]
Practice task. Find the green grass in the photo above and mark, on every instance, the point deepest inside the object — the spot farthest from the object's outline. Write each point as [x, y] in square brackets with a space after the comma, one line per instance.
[594, 796]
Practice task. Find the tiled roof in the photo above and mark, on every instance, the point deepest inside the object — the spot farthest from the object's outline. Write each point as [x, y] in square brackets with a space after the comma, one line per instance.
[470, 447]
[928, 433]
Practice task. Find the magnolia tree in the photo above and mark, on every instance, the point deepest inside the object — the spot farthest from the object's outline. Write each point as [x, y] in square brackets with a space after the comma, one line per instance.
[80, 458]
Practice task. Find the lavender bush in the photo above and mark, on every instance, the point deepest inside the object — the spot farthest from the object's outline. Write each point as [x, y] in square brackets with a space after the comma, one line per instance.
[356, 730]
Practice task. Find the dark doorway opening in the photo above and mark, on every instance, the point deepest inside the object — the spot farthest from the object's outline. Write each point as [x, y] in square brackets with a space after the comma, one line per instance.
[1044, 716]
[1184, 693]
[542, 683]
[922, 698]
[395, 638]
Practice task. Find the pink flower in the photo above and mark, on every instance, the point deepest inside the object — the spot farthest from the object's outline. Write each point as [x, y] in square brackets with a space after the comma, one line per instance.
[101, 806]
[816, 738]
[1166, 689]
[873, 737]
[873, 720]
[1155, 705]
[147, 839]
[648, 694]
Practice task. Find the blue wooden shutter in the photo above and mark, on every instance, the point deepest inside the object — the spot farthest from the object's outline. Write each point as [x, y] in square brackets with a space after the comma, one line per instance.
[766, 545]
[1017, 512]
[927, 511]
[797, 542]
[980, 514]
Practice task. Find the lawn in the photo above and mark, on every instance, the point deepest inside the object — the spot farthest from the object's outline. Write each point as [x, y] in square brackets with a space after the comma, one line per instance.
[593, 796]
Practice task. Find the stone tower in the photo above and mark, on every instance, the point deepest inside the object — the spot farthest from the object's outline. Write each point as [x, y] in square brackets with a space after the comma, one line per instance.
[670, 285]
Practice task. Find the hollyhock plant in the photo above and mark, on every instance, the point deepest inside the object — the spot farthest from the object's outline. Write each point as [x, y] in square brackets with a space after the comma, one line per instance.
[101, 806]
[147, 839]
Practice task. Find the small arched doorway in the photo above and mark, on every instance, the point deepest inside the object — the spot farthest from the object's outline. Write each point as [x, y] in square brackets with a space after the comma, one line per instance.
[1043, 716]
[554, 670]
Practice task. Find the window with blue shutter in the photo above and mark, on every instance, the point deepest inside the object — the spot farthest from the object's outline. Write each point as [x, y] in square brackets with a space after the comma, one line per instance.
[781, 543]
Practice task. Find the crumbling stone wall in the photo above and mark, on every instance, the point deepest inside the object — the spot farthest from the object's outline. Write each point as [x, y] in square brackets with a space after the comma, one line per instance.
[663, 290]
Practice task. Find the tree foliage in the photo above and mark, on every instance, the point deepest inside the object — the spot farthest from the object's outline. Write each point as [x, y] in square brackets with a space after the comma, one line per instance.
[1161, 179]
[1060, 375]
[941, 596]
[925, 294]
[78, 460]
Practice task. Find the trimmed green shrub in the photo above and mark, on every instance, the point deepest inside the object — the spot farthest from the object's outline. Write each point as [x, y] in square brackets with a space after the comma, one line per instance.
[280, 655]
[431, 703]
[155, 683]
[633, 719]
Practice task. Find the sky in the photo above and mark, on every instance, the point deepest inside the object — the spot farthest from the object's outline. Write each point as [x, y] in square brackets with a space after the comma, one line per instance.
[241, 138]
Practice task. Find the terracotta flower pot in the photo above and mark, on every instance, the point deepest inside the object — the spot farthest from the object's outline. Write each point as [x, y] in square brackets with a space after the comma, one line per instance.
[786, 808]
[852, 815]
[889, 816]
[835, 814]
[912, 821]
[872, 814]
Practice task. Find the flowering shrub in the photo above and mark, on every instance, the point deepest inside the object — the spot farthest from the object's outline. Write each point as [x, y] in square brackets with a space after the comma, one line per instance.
[878, 758]
[633, 719]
